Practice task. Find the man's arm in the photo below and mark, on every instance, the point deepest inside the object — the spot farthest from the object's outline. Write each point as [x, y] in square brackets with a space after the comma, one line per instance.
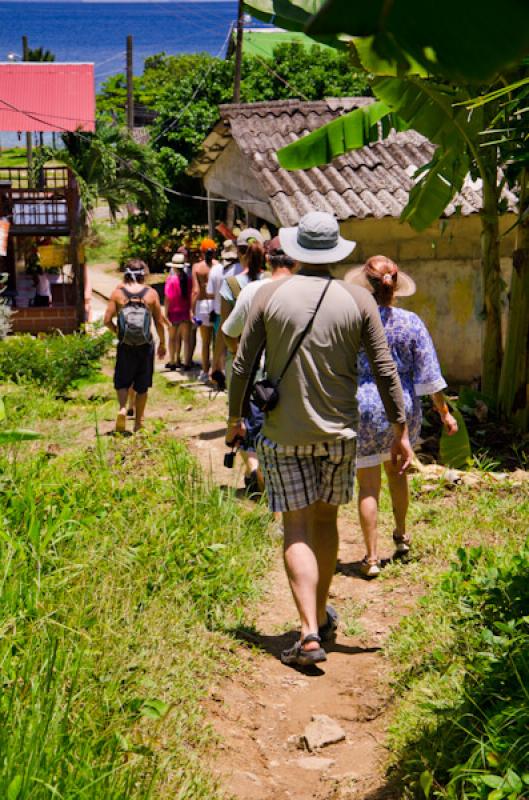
[195, 290]
[111, 312]
[158, 323]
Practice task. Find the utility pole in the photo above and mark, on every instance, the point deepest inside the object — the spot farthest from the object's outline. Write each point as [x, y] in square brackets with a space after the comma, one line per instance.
[238, 54]
[29, 141]
[230, 207]
[130, 87]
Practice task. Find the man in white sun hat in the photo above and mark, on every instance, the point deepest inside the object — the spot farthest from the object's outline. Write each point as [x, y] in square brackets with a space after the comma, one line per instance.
[311, 327]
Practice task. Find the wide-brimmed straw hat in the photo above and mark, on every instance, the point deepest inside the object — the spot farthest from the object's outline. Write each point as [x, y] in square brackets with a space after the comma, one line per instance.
[178, 261]
[404, 286]
[229, 251]
[316, 240]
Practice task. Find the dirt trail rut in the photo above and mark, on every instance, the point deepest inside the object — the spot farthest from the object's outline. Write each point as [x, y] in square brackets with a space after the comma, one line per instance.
[259, 714]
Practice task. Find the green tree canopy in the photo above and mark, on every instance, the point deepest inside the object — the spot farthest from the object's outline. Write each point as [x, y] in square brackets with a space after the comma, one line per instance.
[185, 91]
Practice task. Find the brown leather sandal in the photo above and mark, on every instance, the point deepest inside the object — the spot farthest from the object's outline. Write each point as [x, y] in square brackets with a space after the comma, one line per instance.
[304, 658]
[402, 545]
[369, 568]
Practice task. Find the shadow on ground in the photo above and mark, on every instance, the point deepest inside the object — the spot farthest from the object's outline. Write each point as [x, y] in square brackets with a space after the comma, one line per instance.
[351, 569]
[275, 644]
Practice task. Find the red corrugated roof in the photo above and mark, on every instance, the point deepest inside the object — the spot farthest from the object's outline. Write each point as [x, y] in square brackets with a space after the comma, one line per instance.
[47, 97]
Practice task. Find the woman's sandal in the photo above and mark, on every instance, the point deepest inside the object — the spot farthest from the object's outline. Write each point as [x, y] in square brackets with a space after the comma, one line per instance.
[327, 631]
[402, 545]
[296, 655]
[369, 568]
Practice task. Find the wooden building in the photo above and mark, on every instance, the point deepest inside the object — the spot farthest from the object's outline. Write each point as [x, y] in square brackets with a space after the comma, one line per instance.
[37, 215]
[39, 97]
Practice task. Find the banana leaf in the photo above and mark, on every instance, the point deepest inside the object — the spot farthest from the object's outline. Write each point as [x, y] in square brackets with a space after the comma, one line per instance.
[348, 132]
[411, 103]
[455, 451]
[468, 41]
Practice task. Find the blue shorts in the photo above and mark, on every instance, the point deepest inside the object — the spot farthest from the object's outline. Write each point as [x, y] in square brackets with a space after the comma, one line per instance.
[254, 423]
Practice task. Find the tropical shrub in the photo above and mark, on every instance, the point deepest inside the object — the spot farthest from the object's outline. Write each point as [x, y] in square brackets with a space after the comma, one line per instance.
[156, 247]
[470, 705]
[55, 362]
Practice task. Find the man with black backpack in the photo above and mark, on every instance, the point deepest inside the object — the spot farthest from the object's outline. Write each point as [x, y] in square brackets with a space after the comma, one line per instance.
[136, 307]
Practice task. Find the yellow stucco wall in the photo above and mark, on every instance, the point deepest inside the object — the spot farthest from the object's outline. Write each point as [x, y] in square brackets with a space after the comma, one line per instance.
[445, 264]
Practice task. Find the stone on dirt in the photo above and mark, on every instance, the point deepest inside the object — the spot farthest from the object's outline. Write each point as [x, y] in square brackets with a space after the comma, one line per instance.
[295, 742]
[322, 731]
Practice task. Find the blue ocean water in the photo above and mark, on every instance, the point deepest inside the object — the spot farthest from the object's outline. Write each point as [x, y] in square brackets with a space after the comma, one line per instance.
[96, 31]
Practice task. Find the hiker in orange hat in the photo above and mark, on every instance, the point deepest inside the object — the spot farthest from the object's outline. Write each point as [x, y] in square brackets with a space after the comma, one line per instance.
[202, 305]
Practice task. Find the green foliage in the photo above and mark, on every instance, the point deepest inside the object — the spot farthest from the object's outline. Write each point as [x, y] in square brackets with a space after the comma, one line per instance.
[110, 617]
[39, 54]
[13, 436]
[470, 690]
[156, 247]
[185, 92]
[110, 165]
[13, 157]
[455, 451]
[105, 241]
[55, 362]
[464, 42]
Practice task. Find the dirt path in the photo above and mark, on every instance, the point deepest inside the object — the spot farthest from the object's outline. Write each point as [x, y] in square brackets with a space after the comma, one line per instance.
[260, 716]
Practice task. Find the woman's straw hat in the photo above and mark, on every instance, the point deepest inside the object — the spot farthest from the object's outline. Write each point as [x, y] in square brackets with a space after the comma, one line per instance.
[404, 287]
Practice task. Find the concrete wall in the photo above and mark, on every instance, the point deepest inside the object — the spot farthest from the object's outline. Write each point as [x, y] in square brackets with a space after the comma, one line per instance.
[445, 264]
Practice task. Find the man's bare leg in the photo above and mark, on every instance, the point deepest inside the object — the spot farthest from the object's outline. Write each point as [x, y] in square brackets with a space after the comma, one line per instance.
[131, 399]
[302, 567]
[141, 402]
[369, 480]
[172, 345]
[325, 545]
[121, 419]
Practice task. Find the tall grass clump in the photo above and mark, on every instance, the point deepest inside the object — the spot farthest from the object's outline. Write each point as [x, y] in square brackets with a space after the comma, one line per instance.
[462, 728]
[54, 361]
[121, 569]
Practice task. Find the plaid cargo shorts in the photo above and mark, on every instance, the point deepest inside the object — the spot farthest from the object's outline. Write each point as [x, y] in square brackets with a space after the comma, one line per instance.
[297, 476]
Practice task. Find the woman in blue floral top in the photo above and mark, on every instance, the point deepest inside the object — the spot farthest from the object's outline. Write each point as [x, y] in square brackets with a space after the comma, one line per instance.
[420, 374]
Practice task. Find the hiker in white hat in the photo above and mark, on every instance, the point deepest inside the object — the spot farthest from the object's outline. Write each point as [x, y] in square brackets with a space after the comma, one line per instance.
[312, 327]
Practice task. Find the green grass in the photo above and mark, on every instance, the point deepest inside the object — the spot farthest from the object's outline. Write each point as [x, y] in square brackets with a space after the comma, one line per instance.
[123, 573]
[13, 157]
[457, 659]
[105, 241]
[121, 570]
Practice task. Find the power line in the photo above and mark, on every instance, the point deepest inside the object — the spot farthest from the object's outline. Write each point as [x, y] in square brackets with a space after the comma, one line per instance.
[137, 172]
[193, 96]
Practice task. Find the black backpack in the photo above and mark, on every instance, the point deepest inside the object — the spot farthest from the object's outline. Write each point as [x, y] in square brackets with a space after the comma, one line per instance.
[134, 320]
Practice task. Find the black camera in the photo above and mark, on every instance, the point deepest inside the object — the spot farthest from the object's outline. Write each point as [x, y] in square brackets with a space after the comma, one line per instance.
[229, 459]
